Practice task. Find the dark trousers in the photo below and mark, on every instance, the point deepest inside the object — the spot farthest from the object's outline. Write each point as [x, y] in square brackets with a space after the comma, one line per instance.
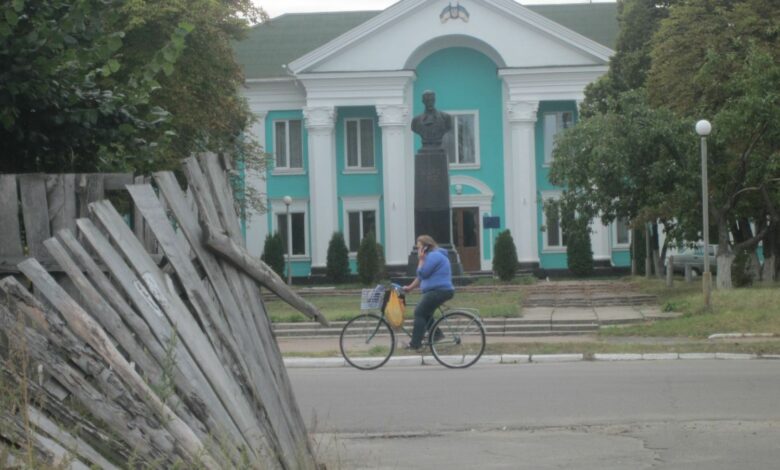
[423, 313]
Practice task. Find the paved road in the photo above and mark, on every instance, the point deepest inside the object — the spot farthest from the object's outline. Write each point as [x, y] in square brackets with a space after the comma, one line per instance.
[586, 415]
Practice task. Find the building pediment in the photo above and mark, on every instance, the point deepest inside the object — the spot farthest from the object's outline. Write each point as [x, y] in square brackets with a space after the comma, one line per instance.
[407, 32]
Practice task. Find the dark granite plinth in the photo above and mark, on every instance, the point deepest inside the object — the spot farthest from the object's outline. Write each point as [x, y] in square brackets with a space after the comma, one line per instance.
[432, 195]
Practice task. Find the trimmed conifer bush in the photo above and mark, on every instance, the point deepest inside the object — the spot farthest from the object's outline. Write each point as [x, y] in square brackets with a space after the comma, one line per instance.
[337, 267]
[579, 254]
[368, 260]
[273, 253]
[505, 256]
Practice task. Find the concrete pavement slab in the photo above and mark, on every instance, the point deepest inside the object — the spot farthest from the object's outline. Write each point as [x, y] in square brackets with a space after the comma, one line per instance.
[734, 356]
[617, 357]
[556, 357]
[537, 313]
[515, 358]
[697, 355]
[617, 314]
[564, 314]
[660, 356]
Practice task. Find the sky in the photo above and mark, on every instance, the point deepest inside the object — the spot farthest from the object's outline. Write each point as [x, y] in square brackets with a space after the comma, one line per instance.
[279, 7]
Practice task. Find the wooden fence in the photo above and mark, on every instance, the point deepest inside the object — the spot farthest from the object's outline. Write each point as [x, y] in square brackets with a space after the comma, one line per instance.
[161, 362]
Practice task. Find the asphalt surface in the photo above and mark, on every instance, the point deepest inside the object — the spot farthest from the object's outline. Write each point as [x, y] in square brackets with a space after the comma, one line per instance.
[590, 415]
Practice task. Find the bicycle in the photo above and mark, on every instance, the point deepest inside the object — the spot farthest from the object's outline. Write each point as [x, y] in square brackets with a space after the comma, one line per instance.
[367, 341]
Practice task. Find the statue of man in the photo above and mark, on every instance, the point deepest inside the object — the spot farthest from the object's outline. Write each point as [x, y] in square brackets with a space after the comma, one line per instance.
[432, 124]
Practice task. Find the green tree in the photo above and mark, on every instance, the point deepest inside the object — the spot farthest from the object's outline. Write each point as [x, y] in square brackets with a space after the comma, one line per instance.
[720, 59]
[337, 266]
[368, 260]
[68, 101]
[273, 253]
[505, 262]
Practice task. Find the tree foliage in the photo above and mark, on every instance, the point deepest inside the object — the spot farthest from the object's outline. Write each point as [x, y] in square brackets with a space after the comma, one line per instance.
[109, 85]
[505, 262]
[337, 266]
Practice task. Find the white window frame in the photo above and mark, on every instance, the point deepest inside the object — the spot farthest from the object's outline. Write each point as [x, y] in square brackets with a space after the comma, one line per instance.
[287, 170]
[549, 144]
[360, 168]
[545, 247]
[360, 204]
[454, 115]
[615, 243]
[279, 208]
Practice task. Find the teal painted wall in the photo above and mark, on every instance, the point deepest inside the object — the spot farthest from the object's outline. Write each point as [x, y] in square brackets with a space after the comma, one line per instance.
[296, 186]
[467, 80]
[548, 260]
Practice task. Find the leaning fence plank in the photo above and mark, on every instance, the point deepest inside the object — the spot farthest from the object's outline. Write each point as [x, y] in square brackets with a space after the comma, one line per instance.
[35, 213]
[127, 420]
[187, 376]
[258, 367]
[89, 189]
[103, 313]
[214, 199]
[10, 235]
[91, 332]
[193, 338]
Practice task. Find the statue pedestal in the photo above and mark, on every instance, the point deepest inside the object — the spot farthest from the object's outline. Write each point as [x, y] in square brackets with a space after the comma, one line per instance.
[432, 195]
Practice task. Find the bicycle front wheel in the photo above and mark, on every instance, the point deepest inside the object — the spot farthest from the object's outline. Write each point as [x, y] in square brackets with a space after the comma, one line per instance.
[367, 341]
[459, 339]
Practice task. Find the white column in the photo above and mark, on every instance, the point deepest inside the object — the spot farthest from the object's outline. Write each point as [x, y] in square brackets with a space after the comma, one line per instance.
[599, 241]
[398, 190]
[322, 181]
[257, 223]
[520, 180]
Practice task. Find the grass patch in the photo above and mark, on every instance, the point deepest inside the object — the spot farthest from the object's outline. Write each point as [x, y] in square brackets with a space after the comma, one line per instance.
[344, 307]
[744, 310]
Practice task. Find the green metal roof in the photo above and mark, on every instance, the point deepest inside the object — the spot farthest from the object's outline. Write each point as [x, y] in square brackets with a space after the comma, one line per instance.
[285, 38]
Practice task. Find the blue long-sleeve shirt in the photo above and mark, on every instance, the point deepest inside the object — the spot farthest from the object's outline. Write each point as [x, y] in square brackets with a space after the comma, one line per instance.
[436, 272]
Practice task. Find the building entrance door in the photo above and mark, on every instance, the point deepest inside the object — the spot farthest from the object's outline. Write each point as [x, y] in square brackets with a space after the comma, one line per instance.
[465, 236]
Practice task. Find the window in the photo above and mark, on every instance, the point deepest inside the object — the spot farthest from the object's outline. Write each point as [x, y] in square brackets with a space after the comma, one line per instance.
[461, 142]
[622, 232]
[360, 224]
[553, 235]
[288, 144]
[554, 123]
[360, 143]
[297, 227]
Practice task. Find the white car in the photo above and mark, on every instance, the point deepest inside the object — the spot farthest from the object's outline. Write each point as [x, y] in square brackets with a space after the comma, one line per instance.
[694, 257]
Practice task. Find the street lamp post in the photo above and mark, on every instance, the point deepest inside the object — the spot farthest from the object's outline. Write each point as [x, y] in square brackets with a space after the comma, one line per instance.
[287, 201]
[703, 128]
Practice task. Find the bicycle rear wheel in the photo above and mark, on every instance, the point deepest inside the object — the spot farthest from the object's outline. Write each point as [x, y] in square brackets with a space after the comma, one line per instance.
[463, 340]
[367, 341]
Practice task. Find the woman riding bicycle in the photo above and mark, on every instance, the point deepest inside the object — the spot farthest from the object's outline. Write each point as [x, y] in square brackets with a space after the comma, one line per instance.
[434, 276]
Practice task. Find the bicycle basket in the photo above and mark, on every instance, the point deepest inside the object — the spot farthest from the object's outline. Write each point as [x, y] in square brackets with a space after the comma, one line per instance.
[371, 299]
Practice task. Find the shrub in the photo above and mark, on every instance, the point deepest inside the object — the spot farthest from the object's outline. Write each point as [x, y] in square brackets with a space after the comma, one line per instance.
[579, 254]
[273, 253]
[368, 260]
[337, 267]
[505, 256]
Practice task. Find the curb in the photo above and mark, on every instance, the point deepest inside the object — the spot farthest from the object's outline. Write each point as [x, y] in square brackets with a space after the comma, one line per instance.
[412, 361]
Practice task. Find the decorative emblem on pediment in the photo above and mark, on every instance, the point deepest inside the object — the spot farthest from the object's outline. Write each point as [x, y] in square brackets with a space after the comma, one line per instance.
[457, 12]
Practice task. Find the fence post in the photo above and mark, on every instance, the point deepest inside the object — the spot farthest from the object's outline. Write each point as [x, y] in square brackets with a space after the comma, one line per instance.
[670, 272]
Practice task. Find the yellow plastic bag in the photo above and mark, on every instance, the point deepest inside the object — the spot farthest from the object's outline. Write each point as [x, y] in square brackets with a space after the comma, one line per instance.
[394, 309]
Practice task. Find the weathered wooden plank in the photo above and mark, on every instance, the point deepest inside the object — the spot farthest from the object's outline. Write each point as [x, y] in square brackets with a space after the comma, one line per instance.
[108, 318]
[72, 443]
[116, 181]
[91, 332]
[10, 234]
[89, 189]
[259, 372]
[35, 213]
[191, 336]
[61, 197]
[120, 413]
[210, 194]
[187, 376]
[146, 202]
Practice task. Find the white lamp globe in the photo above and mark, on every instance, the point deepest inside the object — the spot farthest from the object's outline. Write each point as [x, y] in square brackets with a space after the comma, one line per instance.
[703, 128]
[287, 200]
